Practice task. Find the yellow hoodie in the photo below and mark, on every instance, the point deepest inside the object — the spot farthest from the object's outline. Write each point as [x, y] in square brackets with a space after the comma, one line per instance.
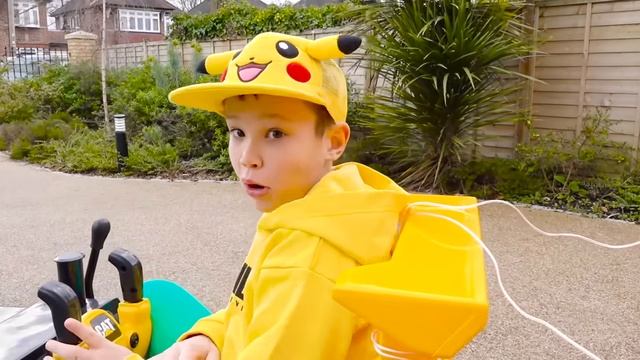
[281, 306]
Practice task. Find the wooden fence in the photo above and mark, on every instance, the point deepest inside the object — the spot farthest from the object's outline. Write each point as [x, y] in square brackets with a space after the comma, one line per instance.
[589, 56]
[593, 59]
[125, 55]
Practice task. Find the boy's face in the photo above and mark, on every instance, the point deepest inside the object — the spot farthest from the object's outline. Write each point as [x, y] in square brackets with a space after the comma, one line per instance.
[274, 148]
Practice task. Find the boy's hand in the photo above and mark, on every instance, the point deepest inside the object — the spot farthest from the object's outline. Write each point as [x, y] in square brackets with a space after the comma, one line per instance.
[198, 347]
[99, 347]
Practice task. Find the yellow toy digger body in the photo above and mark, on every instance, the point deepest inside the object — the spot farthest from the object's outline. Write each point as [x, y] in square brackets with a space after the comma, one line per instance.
[430, 299]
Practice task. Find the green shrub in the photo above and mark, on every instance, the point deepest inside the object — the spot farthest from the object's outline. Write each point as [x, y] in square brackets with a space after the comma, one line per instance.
[61, 89]
[20, 136]
[587, 173]
[75, 90]
[220, 149]
[84, 151]
[150, 154]
[48, 118]
[50, 129]
[238, 19]
[148, 159]
[198, 132]
[494, 178]
[142, 93]
[17, 102]
[559, 160]
[442, 61]
[362, 147]
[73, 122]
[20, 148]
[44, 153]
[11, 132]
[134, 94]
[210, 164]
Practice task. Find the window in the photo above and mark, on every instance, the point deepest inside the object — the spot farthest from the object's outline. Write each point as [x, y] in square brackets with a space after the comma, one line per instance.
[74, 22]
[167, 23]
[26, 13]
[143, 21]
[52, 23]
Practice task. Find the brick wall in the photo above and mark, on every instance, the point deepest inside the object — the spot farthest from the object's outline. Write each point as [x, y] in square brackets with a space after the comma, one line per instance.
[122, 37]
[83, 47]
[37, 36]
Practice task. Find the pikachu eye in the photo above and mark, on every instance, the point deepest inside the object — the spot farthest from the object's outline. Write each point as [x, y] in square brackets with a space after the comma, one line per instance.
[286, 49]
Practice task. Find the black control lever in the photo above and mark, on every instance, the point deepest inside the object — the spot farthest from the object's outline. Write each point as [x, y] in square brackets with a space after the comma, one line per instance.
[99, 232]
[71, 273]
[64, 304]
[130, 270]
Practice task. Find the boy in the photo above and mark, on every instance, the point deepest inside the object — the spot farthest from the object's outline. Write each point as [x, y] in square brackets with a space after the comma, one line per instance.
[285, 103]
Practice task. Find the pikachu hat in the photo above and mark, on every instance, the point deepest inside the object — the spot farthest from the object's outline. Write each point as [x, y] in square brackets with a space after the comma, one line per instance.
[275, 64]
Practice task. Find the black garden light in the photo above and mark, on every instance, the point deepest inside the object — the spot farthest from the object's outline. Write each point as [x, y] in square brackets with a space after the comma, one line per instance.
[121, 139]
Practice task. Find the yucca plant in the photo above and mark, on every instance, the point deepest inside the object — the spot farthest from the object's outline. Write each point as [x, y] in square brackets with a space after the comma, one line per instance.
[444, 63]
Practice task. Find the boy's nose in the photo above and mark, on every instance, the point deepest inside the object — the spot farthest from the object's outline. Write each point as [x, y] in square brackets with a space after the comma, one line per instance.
[251, 164]
[250, 159]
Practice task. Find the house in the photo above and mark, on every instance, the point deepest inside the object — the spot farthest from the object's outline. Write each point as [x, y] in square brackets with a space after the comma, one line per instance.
[128, 21]
[33, 26]
[205, 7]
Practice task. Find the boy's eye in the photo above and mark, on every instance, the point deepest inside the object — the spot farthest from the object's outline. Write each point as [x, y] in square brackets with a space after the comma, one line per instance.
[236, 132]
[275, 134]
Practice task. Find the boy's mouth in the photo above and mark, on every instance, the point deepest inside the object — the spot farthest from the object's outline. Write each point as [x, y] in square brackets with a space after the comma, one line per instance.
[254, 189]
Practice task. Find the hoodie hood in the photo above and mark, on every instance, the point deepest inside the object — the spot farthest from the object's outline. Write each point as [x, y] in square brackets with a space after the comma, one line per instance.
[353, 207]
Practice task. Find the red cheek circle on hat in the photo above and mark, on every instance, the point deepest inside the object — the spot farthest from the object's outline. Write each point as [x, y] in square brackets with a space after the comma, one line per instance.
[298, 72]
[224, 75]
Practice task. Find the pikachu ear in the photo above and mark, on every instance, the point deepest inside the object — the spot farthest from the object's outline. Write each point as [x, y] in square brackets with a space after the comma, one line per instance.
[215, 64]
[333, 47]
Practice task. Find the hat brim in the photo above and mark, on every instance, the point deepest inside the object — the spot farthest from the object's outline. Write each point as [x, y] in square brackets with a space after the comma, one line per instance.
[210, 96]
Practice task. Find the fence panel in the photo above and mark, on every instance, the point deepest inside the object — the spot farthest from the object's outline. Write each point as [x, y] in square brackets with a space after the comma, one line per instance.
[592, 58]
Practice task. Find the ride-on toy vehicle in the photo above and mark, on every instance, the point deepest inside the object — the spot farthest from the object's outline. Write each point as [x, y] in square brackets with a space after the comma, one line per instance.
[427, 301]
[129, 322]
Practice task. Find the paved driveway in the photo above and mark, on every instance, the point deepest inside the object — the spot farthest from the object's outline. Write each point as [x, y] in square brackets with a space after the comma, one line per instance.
[196, 233]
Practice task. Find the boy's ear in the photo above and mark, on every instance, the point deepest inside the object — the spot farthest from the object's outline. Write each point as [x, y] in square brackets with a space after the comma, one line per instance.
[338, 136]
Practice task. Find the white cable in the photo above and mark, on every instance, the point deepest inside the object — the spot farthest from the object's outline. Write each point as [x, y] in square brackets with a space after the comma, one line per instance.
[504, 291]
[385, 351]
[482, 203]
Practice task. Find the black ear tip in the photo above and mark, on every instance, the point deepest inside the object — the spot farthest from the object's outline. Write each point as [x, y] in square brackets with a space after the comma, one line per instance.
[348, 43]
[202, 68]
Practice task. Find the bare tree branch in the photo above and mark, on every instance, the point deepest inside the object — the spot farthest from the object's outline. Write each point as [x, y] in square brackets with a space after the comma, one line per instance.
[187, 5]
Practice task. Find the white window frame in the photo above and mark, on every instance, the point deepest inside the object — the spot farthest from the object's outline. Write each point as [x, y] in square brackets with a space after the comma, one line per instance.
[52, 23]
[167, 23]
[73, 21]
[139, 19]
[26, 13]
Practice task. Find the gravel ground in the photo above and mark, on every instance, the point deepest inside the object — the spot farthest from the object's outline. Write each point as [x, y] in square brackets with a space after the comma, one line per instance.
[197, 233]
